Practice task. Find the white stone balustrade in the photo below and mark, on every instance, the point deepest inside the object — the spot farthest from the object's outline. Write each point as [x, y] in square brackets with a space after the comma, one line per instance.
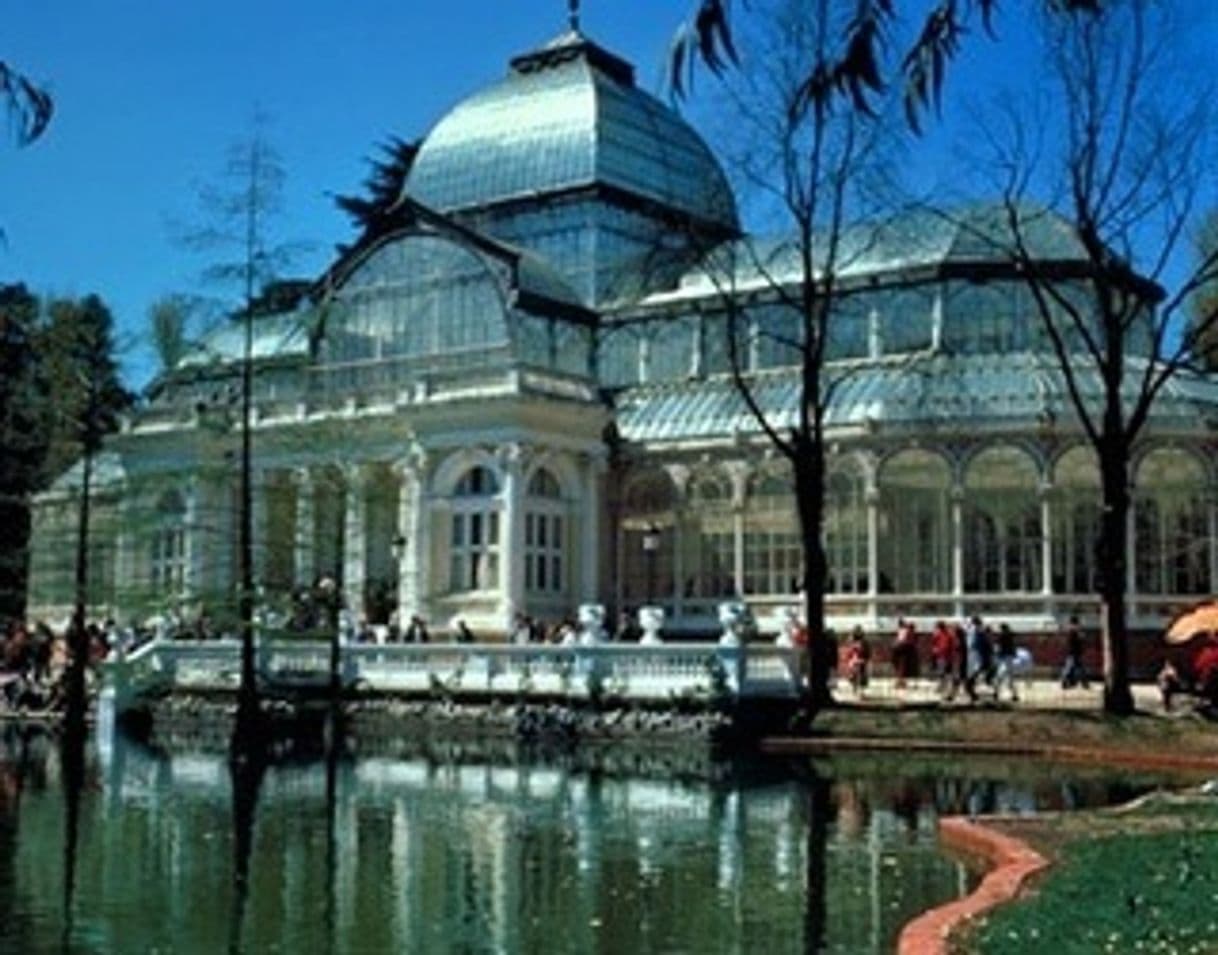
[634, 672]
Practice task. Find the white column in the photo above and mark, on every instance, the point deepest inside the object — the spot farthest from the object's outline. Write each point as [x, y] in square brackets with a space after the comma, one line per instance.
[740, 473]
[354, 541]
[1046, 544]
[738, 547]
[412, 526]
[194, 543]
[304, 563]
[511, 543]
[872, 500]
[590, 527]
[958, 549]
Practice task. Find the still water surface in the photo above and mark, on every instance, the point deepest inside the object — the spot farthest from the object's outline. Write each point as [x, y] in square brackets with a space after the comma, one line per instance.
[439, 855]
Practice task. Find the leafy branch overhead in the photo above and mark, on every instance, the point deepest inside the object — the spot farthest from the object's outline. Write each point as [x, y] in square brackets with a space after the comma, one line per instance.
[29, 106]
[854, 70]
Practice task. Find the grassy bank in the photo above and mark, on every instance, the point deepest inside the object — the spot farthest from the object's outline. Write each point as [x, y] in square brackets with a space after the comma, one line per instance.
[1003, 728]
[1139, 880]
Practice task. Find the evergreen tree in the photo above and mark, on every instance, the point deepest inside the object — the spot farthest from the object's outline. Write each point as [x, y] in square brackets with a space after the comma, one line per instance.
[378, 209]
[83, 392]
[22, 441]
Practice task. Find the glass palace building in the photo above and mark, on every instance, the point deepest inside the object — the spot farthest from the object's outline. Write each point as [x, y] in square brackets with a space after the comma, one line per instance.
[520, 400]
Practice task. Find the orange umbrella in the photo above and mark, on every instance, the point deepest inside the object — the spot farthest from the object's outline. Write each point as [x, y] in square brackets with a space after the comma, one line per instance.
[1200, 619]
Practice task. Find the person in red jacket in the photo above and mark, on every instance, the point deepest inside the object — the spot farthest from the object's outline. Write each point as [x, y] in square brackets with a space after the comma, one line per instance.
[943, 657]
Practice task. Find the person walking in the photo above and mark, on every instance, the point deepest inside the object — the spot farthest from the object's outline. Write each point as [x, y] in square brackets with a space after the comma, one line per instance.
[1005, 654]
[977, 656]
[858, 660]
[943, 658]
[1073, 671]
[904, 652]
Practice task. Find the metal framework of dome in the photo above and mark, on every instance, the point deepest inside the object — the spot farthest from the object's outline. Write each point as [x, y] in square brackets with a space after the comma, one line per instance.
[569, 116]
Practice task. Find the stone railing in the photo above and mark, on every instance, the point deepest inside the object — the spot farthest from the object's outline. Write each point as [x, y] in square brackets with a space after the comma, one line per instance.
[659, 672]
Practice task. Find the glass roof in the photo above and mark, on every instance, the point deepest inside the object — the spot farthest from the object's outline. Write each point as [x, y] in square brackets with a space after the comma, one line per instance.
[568, 115]
[918, 238]
[941, 391]
[282, 335]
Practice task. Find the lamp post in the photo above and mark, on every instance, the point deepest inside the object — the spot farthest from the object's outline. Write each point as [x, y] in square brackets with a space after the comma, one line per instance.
[651, 546]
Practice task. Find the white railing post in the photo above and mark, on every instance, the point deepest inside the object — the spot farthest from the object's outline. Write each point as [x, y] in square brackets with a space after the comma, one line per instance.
[737, 623]
[651, 621]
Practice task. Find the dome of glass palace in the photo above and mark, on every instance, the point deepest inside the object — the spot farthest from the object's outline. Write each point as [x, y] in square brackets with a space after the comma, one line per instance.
[567, 117]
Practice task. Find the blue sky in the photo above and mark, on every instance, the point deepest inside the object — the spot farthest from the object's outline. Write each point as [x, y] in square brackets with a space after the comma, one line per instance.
[148, 94]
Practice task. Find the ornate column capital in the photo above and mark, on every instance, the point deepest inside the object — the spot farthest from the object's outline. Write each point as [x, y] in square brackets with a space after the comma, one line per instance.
[513, 456]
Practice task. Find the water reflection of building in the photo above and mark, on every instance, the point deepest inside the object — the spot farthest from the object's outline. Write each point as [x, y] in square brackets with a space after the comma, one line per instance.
[460, 388]
[444, 857]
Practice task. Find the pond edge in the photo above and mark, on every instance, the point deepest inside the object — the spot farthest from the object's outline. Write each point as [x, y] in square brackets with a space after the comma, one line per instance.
[1013, 862]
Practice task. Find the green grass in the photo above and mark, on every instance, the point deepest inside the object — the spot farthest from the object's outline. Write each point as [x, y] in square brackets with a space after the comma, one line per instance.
[1149, 886]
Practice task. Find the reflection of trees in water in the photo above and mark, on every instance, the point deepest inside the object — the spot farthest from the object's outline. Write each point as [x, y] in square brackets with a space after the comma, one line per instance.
[387, 854]
[245, 780]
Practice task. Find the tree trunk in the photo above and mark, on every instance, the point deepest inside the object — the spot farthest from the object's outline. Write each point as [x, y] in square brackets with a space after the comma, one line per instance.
[79, 637]
[1114, 534]
[810, 502]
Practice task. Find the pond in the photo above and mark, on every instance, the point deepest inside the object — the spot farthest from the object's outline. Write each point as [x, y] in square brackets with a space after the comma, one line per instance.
[443, 854]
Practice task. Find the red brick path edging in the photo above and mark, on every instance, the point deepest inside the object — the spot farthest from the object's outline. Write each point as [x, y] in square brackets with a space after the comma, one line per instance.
[1013, 861]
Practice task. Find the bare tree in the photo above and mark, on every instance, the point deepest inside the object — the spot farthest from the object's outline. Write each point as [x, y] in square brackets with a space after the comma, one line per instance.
[238, 211]
[820, 167]
[1121, 157]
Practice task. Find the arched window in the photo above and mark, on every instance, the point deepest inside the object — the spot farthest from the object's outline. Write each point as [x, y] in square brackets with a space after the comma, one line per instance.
[477, 482]
[773, 558]
[710, 544]
[1171, 545]
[168, 546]
[1002, 532]
[915, 524]
[845, 529]
[1076, 513]
[474, 541]
[648, 539]
[545, 529]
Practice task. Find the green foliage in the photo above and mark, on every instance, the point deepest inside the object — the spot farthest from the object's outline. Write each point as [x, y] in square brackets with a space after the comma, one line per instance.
[60, 395]
[22, 437]
[84, 394]
[1147, 892]
[168, 324]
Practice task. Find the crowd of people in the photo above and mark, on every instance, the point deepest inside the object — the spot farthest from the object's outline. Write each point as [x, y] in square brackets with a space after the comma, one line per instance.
[966, 658]
[34, 660]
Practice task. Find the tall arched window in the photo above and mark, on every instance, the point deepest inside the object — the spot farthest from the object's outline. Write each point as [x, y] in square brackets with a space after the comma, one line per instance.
[773, 557]
[1076, 522]
[168, 545]
[648, 539]
[915, 524]
[1002, 532]
[845, 529]
[545, 529]
[1170, 517]
[474, 541]
[710, 553]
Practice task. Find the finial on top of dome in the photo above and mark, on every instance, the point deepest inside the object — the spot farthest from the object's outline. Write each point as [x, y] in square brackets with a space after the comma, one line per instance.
[573, 14]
